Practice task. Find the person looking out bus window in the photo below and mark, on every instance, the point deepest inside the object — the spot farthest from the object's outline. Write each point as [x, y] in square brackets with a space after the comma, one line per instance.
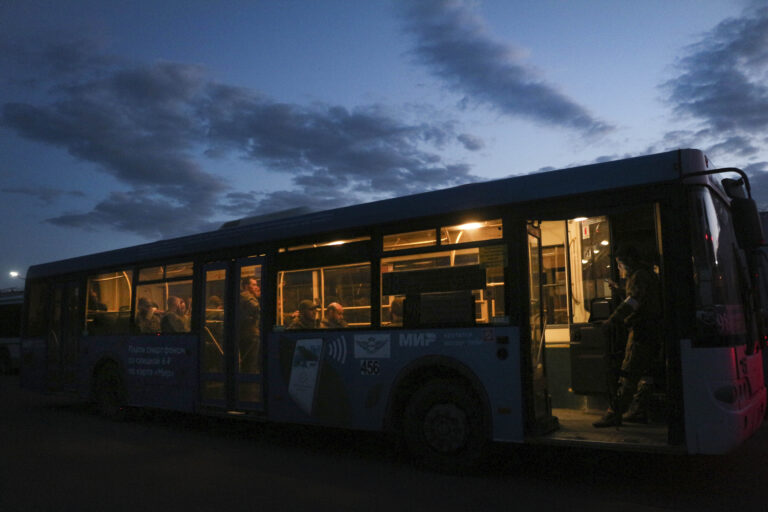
[306, 317]
[186, 312]
[334, 317]
[94, 301]
[173, 320]
[146, 319]
[250, 330]
[640, 312]
[396, 312]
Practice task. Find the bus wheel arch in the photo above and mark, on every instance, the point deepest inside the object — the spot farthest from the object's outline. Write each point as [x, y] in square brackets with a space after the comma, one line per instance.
[441, 413]
[108, 389]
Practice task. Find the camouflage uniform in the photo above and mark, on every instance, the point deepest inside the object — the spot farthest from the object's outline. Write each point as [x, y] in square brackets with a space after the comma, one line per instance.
[640, 312]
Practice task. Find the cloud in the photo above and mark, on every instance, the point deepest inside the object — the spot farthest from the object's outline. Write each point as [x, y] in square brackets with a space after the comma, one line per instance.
[38, 60]
[242, 204]
[140, 212]
[45, 194]
[470, 142]
[153, 127]
[721, 86]
[331, 148]
[455, 44]
[722, 79]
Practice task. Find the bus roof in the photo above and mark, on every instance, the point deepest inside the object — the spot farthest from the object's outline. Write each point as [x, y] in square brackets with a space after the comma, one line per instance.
[658, 168]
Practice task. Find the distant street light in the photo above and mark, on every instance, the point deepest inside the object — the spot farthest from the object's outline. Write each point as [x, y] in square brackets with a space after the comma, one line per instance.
[15, 274]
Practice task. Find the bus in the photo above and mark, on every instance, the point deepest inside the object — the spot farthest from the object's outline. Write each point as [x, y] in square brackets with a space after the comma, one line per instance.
[11, 301]
[452, 319]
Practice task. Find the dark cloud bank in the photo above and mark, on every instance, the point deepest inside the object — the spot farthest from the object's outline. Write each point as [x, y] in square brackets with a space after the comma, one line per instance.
[721, 85]
[152, 126]
[454, 44]
[147, 125]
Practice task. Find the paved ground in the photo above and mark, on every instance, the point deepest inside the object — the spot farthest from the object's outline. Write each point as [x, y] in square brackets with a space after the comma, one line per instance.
[58, 455]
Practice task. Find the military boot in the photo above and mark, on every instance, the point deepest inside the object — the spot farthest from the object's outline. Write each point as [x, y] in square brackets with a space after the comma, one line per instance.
[636, 414]
[638, 408]
[609, 419]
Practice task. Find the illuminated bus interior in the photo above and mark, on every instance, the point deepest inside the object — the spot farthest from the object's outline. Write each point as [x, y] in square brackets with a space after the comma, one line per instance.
[576, 268]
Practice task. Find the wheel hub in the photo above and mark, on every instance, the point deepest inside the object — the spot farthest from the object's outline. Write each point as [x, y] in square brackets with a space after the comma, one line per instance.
[445, 427]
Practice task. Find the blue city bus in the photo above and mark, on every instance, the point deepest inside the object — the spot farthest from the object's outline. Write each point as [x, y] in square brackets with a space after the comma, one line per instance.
[452, 319]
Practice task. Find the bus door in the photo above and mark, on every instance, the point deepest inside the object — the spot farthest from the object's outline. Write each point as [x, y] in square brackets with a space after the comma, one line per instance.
[62, 337]
[541, 420]
[231, 341]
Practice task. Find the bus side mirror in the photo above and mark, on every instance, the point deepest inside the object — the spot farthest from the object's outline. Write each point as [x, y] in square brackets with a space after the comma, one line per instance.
[746, 223]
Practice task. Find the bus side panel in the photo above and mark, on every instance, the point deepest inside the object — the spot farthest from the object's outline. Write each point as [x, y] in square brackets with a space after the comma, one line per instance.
[32, 373]
[345, 378]
[724, 396]
[157, 371]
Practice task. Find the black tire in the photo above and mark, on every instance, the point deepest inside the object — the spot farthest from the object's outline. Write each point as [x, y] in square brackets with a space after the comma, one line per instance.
[109, 392]
[443, 427]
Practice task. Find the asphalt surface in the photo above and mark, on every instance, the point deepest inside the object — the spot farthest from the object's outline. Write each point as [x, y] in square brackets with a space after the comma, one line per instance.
[57, 454]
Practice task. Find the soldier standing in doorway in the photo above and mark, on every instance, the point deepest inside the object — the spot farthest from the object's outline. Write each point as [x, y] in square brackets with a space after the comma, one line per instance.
[640, 312]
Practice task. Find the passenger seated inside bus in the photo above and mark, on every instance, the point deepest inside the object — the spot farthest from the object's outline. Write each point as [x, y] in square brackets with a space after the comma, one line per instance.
[94, 301]
[396, 312]
[306, 316]
[334, 317]
[147, 321]
[173, 320]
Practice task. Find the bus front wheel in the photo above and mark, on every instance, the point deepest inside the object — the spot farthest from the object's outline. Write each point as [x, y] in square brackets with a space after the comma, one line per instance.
[443, 426]
[109, 392]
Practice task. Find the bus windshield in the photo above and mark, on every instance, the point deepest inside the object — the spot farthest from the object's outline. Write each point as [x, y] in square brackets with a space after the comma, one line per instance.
[721, 284]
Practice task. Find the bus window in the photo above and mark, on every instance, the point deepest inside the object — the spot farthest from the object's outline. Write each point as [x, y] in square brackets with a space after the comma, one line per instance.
[460, 287]
[720, 283]
[151, 274]
[410, 240]
[471, 232]
[325, 244]
[589, 243]
[178, 270]
[348, 286]
[108, 304]
[164, 299]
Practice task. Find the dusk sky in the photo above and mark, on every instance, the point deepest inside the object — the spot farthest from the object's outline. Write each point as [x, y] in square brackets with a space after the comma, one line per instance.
[127, 122]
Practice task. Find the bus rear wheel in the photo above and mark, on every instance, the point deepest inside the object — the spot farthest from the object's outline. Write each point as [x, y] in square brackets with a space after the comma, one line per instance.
[443, 427]
[109, 392]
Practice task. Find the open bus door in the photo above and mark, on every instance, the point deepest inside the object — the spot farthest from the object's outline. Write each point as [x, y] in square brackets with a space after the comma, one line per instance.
[231, 342]
[541, 420]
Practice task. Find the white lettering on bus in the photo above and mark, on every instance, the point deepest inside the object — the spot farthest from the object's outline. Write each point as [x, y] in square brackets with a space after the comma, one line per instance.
[422, 339]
